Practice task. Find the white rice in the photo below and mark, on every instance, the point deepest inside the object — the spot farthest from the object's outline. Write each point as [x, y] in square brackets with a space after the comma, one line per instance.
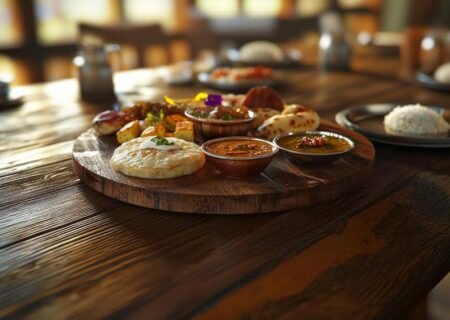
[415, 120]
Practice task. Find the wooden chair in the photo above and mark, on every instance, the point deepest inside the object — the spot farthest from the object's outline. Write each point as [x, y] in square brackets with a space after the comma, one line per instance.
[139, 37]
[422, 16]
[200, 37]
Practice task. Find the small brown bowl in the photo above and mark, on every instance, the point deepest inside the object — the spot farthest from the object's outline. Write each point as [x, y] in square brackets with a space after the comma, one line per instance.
[213, 128]
[298, 157]
[239, 167]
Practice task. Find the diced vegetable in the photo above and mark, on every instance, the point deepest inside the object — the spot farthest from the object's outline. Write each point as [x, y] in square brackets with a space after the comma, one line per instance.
[184, 130]
[170, 122]
[128, 132]
[149, 131]
[153, 118]
[160, 130]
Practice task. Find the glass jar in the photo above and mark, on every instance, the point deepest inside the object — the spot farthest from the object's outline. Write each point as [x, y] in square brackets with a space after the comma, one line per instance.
[95, 75]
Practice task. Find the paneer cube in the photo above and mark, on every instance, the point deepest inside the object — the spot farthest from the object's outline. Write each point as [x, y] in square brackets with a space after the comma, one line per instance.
[149, 131]
[185, 130]
[170, 122]
[129, 131]
[160, 130]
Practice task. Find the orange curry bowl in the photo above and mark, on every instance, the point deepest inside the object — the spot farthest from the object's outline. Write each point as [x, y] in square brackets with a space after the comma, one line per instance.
[239, 157]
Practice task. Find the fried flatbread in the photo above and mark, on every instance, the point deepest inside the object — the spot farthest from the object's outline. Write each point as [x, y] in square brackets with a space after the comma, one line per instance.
[294, 118]
[133, 160]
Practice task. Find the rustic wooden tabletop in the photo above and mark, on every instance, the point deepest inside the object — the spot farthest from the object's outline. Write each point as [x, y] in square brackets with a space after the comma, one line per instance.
[69, 252]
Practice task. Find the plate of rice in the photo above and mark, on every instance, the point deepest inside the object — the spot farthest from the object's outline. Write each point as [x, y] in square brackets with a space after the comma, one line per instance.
[412, 125]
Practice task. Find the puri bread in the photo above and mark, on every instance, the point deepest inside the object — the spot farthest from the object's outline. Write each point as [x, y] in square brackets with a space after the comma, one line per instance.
[262, 114]
[263, 97]
[109, 122]
[130, 159]
[293, 119]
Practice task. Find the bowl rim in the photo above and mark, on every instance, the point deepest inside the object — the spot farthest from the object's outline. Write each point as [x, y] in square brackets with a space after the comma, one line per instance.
[274, 146]
[252, 116]
[317, 132]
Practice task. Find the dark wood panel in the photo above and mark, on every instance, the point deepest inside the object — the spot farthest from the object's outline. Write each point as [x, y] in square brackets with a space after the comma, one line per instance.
[47, 213]
[317, 247]
[19, 187]
[319, 275]
[137, 241]
[17, 162]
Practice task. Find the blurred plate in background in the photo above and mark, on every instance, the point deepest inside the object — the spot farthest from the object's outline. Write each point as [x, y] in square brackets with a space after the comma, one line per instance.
[428, 81]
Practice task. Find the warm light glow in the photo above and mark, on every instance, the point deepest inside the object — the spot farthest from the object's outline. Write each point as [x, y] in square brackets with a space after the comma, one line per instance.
[9, 30]
[57, 19]
[6, 69]
[352, 3]
[219, 8]
[154, 11]
[428, 43]
[307, 8]
[266, 8]
[325, 41]
[364, 38]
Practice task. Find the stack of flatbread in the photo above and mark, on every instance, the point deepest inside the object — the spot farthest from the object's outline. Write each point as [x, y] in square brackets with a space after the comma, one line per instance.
[293, 118]
[274, 118]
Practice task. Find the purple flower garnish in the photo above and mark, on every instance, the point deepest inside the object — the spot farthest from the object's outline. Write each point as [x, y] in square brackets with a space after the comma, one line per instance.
[213, 100]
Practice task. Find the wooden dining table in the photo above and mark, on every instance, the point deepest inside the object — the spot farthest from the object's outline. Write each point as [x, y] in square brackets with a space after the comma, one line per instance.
[68, 252]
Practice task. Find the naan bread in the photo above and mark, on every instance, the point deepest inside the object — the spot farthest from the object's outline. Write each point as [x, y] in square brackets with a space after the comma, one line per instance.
[293, 119]
[130, 159]
[297, 108]
[262, 114]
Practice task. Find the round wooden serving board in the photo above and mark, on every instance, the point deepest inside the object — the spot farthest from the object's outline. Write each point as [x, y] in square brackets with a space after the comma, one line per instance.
[281, 186]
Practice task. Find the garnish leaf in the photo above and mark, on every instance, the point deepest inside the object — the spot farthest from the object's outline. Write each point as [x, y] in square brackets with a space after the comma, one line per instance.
[161, 141]
[154, 117]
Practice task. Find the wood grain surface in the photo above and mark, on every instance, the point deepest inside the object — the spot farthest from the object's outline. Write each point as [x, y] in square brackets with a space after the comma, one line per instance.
[68, 252]
[281, 186]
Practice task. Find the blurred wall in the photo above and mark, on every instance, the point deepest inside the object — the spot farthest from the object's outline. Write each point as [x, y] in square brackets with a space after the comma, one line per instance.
[394, 15]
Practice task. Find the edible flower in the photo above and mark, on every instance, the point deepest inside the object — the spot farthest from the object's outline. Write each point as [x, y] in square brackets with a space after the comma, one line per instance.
[169, 100]
[213, 100]
[161, 141]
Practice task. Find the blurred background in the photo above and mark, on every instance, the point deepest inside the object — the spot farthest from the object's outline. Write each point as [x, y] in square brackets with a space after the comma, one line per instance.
[39, 38]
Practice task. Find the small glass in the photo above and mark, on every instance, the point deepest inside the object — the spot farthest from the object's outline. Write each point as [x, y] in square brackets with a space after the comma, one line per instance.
[95, 72]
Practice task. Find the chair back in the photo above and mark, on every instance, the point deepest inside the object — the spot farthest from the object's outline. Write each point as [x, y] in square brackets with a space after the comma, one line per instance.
[139, 37]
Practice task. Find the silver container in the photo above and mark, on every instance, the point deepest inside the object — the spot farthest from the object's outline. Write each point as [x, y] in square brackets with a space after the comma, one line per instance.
[95, 74]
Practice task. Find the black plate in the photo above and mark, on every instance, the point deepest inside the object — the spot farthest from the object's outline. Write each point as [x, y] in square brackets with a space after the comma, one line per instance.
[429, 82]
[368, 120]
[240, 86]
[11, 103]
